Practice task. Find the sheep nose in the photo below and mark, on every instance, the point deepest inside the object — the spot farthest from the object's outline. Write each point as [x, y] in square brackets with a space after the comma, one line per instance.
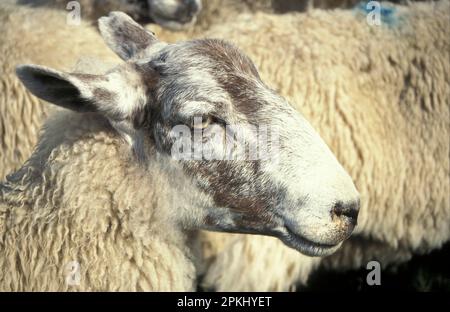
[346, 211]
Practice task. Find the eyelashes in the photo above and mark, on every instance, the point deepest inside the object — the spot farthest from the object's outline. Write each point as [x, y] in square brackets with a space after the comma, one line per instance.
[201, 122]
[204, 122]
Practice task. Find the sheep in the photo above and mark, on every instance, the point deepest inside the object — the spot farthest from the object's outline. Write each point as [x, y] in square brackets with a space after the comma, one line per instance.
[171, 14]
[218, 12]
[379, 96]
[112, 192]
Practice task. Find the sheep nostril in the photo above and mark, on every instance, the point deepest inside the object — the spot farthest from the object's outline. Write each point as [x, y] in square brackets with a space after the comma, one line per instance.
[348, 211]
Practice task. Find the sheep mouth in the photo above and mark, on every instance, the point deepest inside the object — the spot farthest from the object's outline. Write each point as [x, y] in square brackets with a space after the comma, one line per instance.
[306, 246]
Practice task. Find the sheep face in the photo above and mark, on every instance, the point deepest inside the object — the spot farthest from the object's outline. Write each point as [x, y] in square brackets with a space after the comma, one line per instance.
[201, 105]
[174, 14]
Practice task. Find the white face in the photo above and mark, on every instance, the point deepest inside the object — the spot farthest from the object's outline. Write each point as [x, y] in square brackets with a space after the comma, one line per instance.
[208, 89]
[322, 202]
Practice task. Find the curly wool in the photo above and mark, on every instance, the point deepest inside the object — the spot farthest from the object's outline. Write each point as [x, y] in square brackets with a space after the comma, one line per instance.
[75, 199]
[379, 96]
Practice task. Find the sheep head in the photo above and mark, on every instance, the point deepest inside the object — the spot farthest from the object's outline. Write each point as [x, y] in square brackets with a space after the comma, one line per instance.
[257, 164]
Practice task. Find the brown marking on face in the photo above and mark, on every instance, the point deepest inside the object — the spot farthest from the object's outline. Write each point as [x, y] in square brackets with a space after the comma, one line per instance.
[227, 57]
[235, 73]
[232, 189]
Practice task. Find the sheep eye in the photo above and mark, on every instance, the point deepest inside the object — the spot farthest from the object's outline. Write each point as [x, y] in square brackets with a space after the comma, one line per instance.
[200, 123]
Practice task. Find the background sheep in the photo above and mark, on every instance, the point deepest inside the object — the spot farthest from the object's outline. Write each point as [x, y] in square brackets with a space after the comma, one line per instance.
[171, 14]
[194, 16]
[379, 96]
[217, 12]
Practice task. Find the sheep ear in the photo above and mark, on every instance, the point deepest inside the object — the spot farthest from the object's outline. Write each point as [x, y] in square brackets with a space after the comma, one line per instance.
[123, 35]
[86, 93]
[72, 91]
